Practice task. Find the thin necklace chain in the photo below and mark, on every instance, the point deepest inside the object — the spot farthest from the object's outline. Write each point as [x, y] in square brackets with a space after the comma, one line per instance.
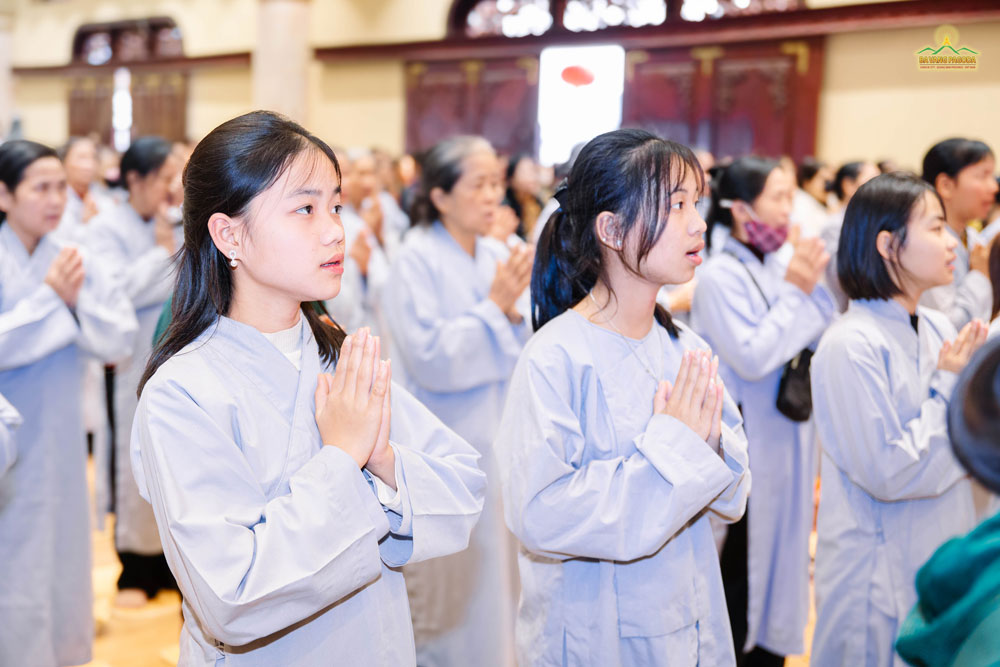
[628, 343]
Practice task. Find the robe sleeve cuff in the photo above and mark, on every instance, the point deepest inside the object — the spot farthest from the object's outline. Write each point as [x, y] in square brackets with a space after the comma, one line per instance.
[321, 467]
[505, 331]
[682, 458]
[943, 383]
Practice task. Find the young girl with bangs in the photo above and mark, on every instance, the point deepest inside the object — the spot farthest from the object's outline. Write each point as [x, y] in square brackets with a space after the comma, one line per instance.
[617, 440]
[289, 478]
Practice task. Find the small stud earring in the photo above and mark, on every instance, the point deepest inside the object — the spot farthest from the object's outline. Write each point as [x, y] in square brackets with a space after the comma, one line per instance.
[233, 262]
[619, 243]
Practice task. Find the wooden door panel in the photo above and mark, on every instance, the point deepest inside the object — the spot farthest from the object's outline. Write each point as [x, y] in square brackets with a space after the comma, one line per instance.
[659, 94]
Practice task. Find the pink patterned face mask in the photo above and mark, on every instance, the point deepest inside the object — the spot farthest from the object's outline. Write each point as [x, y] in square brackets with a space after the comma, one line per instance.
[765, 238]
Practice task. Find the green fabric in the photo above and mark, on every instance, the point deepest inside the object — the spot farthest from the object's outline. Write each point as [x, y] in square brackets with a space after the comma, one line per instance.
[163, 322]
[954, 622]
[165, 317]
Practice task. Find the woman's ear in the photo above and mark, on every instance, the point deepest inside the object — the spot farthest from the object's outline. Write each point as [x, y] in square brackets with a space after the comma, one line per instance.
[6, 198]
[608, 230]
[945, 186]
[440, 199]
[741, 212]
[131, 179]
[222, 229]
[883, 243]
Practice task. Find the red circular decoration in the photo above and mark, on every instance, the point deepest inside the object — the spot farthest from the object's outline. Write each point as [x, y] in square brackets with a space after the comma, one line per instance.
[577, 76]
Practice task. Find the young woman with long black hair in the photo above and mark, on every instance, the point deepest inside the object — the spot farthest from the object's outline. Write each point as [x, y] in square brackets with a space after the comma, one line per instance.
[618, 440]
[289, 478]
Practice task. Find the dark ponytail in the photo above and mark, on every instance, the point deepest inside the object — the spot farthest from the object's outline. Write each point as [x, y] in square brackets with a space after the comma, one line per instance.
[15, 158]
[231, 166]
[742, 180]
[952, 156]
[630, 173]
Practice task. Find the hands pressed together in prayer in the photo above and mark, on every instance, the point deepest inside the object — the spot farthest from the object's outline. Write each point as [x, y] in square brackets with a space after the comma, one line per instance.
[696, 396]
[511, 279]
[955, 354]
[808, 261]
[66, 275]
[353, 408]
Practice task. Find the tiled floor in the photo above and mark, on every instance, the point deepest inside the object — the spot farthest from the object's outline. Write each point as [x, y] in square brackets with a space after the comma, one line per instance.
[144, 637]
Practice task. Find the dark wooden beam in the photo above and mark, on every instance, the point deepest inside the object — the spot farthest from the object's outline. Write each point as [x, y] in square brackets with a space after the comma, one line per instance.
[678, 33]
[165, 65]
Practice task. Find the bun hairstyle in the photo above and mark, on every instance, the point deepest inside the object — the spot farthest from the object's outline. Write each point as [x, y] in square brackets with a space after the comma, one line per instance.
[741, 180]
[849, 170]
[441, 167]
[144, 156]
[15, 158]
[630, 173]
[807, 170]
[237, 161]
[952, 156]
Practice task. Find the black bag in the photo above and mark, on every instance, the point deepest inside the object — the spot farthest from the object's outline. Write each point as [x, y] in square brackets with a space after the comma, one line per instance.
[794, 391]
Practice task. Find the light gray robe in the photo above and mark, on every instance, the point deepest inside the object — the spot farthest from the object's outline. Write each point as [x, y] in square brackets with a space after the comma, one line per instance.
[279, 545]
[612, 503]
[893, 491]
[46, 601]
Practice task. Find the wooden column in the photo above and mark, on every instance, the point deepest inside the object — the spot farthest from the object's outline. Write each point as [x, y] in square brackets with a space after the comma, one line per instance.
[281, 57]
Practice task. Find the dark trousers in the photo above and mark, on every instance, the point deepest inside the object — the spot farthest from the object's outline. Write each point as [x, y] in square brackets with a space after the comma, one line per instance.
[149, 574]
[733, 562]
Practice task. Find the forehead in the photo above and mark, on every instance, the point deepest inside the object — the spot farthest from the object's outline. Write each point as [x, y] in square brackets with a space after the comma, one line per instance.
[479, 160]
[365, 163]
[930, 205]
[308, 170]
[46, 167]
[778, 178]
[985, 165]
[82, 147]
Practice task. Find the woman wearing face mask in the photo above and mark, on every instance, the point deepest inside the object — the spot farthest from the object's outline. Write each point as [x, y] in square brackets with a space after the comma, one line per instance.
[882, 379]
[618, 442]
[961, 171]
[759, 313]
[289, 477]
[456, 306]
[136, 240]
[57, 307]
